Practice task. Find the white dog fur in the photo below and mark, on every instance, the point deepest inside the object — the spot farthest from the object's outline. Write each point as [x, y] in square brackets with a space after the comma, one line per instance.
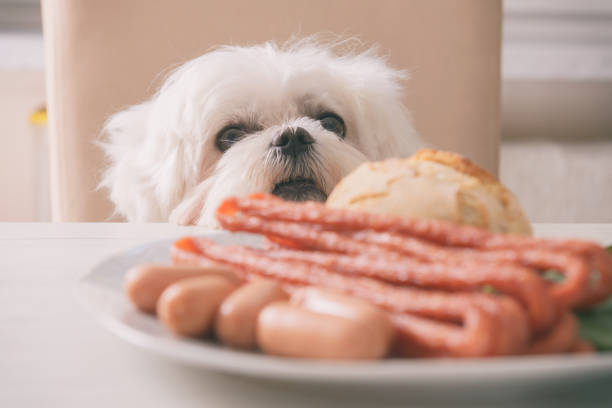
[164, 161]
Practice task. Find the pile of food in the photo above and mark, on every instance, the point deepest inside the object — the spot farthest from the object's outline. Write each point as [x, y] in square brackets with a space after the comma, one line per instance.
[353, 284]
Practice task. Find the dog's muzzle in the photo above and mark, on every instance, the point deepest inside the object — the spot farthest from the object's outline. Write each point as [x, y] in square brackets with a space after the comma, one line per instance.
[294, 144]
[299, 190]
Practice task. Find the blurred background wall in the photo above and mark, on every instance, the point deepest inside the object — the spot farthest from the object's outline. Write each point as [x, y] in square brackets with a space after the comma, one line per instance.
[557, 110]
[23, 146]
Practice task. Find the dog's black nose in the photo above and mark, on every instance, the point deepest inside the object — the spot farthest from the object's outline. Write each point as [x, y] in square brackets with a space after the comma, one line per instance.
[293, 141]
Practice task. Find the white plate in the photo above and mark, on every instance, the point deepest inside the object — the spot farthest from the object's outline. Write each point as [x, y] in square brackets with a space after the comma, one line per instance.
[101, 291]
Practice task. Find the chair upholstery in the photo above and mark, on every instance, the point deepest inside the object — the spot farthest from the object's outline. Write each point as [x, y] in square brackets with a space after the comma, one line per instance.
[102, 56]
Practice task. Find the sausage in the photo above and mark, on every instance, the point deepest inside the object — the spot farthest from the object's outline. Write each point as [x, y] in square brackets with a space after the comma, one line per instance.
[459, 307]
[285, 329]
[323, 325]
[145, 283]
[393, 263]
[582, 347]
[522, 283]
[319, 300]
[559, 339]
[237, 317]
[574, 291]
[189, 306]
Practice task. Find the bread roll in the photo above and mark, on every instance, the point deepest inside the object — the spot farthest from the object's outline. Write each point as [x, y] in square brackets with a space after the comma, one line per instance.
[432, 184]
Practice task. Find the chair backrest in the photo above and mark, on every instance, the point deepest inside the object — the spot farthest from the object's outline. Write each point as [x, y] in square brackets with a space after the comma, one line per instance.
[104, 55]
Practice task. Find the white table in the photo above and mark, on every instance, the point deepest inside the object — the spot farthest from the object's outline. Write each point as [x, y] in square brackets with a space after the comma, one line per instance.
[53, 354]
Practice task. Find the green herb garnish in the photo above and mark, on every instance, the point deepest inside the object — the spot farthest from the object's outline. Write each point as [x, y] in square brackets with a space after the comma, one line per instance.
[489, 290]
[596, 325]
[552, 275]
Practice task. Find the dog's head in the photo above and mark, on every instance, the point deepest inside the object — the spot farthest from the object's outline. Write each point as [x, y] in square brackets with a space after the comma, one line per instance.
[288, 120]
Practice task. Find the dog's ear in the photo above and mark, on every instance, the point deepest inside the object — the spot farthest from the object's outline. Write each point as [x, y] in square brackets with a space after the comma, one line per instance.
[152, 158]
[128, 175]
[156, 149]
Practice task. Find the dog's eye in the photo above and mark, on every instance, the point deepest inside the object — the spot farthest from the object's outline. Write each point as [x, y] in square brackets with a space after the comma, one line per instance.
[333, 123]
[228, 136]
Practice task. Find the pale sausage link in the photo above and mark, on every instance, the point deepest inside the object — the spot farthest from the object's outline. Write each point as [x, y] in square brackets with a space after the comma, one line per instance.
[434, 305]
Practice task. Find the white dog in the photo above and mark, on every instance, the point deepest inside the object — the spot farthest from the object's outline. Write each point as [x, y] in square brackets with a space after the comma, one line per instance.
[290, 120]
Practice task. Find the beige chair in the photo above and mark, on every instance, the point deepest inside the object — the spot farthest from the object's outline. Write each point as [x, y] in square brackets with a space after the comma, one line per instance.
[104, 55]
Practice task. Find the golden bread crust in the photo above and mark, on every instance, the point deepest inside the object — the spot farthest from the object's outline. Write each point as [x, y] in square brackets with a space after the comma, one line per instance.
[457, 162]
[432, 184]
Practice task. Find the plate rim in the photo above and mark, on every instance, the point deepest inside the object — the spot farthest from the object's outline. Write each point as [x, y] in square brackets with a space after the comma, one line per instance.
[389, 371]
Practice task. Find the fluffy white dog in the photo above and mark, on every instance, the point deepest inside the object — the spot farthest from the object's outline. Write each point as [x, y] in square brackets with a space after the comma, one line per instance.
[289, 120]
